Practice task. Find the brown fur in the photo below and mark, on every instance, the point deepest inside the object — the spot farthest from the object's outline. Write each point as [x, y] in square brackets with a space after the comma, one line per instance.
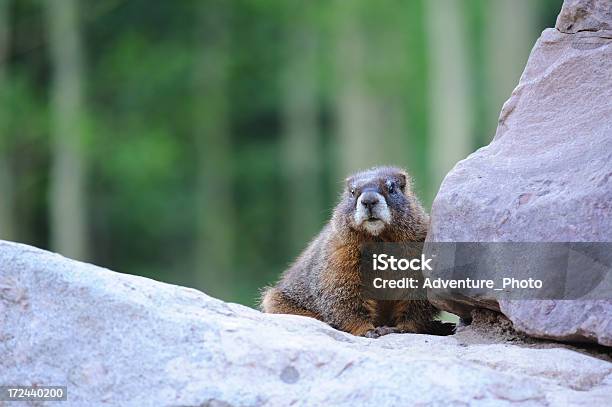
[324, 282]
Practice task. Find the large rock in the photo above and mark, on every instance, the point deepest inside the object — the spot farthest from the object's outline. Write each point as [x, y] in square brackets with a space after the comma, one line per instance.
[547, 174]
[116, 339]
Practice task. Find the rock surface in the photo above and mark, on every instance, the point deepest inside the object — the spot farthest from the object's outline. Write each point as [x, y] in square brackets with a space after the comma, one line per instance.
[547, 174]
[585, 15]
[117, 339]
[562, 320]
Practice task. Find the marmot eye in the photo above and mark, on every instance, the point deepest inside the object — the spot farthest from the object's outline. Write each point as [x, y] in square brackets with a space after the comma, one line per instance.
[391, 187]
[352, 191]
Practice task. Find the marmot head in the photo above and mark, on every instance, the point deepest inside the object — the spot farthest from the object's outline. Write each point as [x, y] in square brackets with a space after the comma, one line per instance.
[380, 201]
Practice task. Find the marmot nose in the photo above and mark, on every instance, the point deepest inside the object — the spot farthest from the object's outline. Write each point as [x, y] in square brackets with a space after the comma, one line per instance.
[369, 199]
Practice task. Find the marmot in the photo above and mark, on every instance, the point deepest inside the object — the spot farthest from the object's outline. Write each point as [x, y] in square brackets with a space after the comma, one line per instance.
[377, 205]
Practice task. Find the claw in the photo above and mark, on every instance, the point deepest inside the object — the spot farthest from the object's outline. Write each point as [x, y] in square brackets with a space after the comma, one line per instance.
[381, 331]
[372, 334]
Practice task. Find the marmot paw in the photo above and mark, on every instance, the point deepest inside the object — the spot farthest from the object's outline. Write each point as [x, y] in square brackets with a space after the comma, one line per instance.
[381, 331]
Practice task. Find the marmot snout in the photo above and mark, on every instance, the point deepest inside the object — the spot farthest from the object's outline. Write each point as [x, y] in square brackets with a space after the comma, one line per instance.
[377, 205]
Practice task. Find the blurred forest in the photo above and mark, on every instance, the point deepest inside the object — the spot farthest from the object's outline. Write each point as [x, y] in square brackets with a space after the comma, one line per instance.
[204, 142]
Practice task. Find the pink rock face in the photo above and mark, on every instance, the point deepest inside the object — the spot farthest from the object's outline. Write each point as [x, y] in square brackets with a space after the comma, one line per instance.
[547, 174]
[581, 15]
[562, 320]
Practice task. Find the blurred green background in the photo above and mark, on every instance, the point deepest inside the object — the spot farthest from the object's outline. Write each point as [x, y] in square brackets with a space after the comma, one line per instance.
[204, 142]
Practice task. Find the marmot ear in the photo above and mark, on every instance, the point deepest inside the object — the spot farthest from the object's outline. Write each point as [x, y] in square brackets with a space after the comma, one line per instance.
[348, 182]
[405, 181]
[403, 178]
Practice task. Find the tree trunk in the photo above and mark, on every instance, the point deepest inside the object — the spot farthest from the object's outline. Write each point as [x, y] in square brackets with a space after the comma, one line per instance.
[511, 31]
[301, 149]
[67, 189]
[215, 212]
[372, 123]
[7, 194]
[358, 129]
[450, 110]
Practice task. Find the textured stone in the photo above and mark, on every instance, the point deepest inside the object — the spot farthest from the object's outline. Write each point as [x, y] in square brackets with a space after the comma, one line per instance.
[116, 339]
[547, 174]
[562, 320]
[585, 15]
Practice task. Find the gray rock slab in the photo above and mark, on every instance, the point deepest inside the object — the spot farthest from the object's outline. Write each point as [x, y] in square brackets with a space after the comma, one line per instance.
[117, 339]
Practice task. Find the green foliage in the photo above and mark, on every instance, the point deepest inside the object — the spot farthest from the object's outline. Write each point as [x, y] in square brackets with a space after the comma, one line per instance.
[144, 109]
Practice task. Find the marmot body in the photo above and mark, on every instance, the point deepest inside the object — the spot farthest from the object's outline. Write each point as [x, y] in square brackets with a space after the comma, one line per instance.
[378, 205]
